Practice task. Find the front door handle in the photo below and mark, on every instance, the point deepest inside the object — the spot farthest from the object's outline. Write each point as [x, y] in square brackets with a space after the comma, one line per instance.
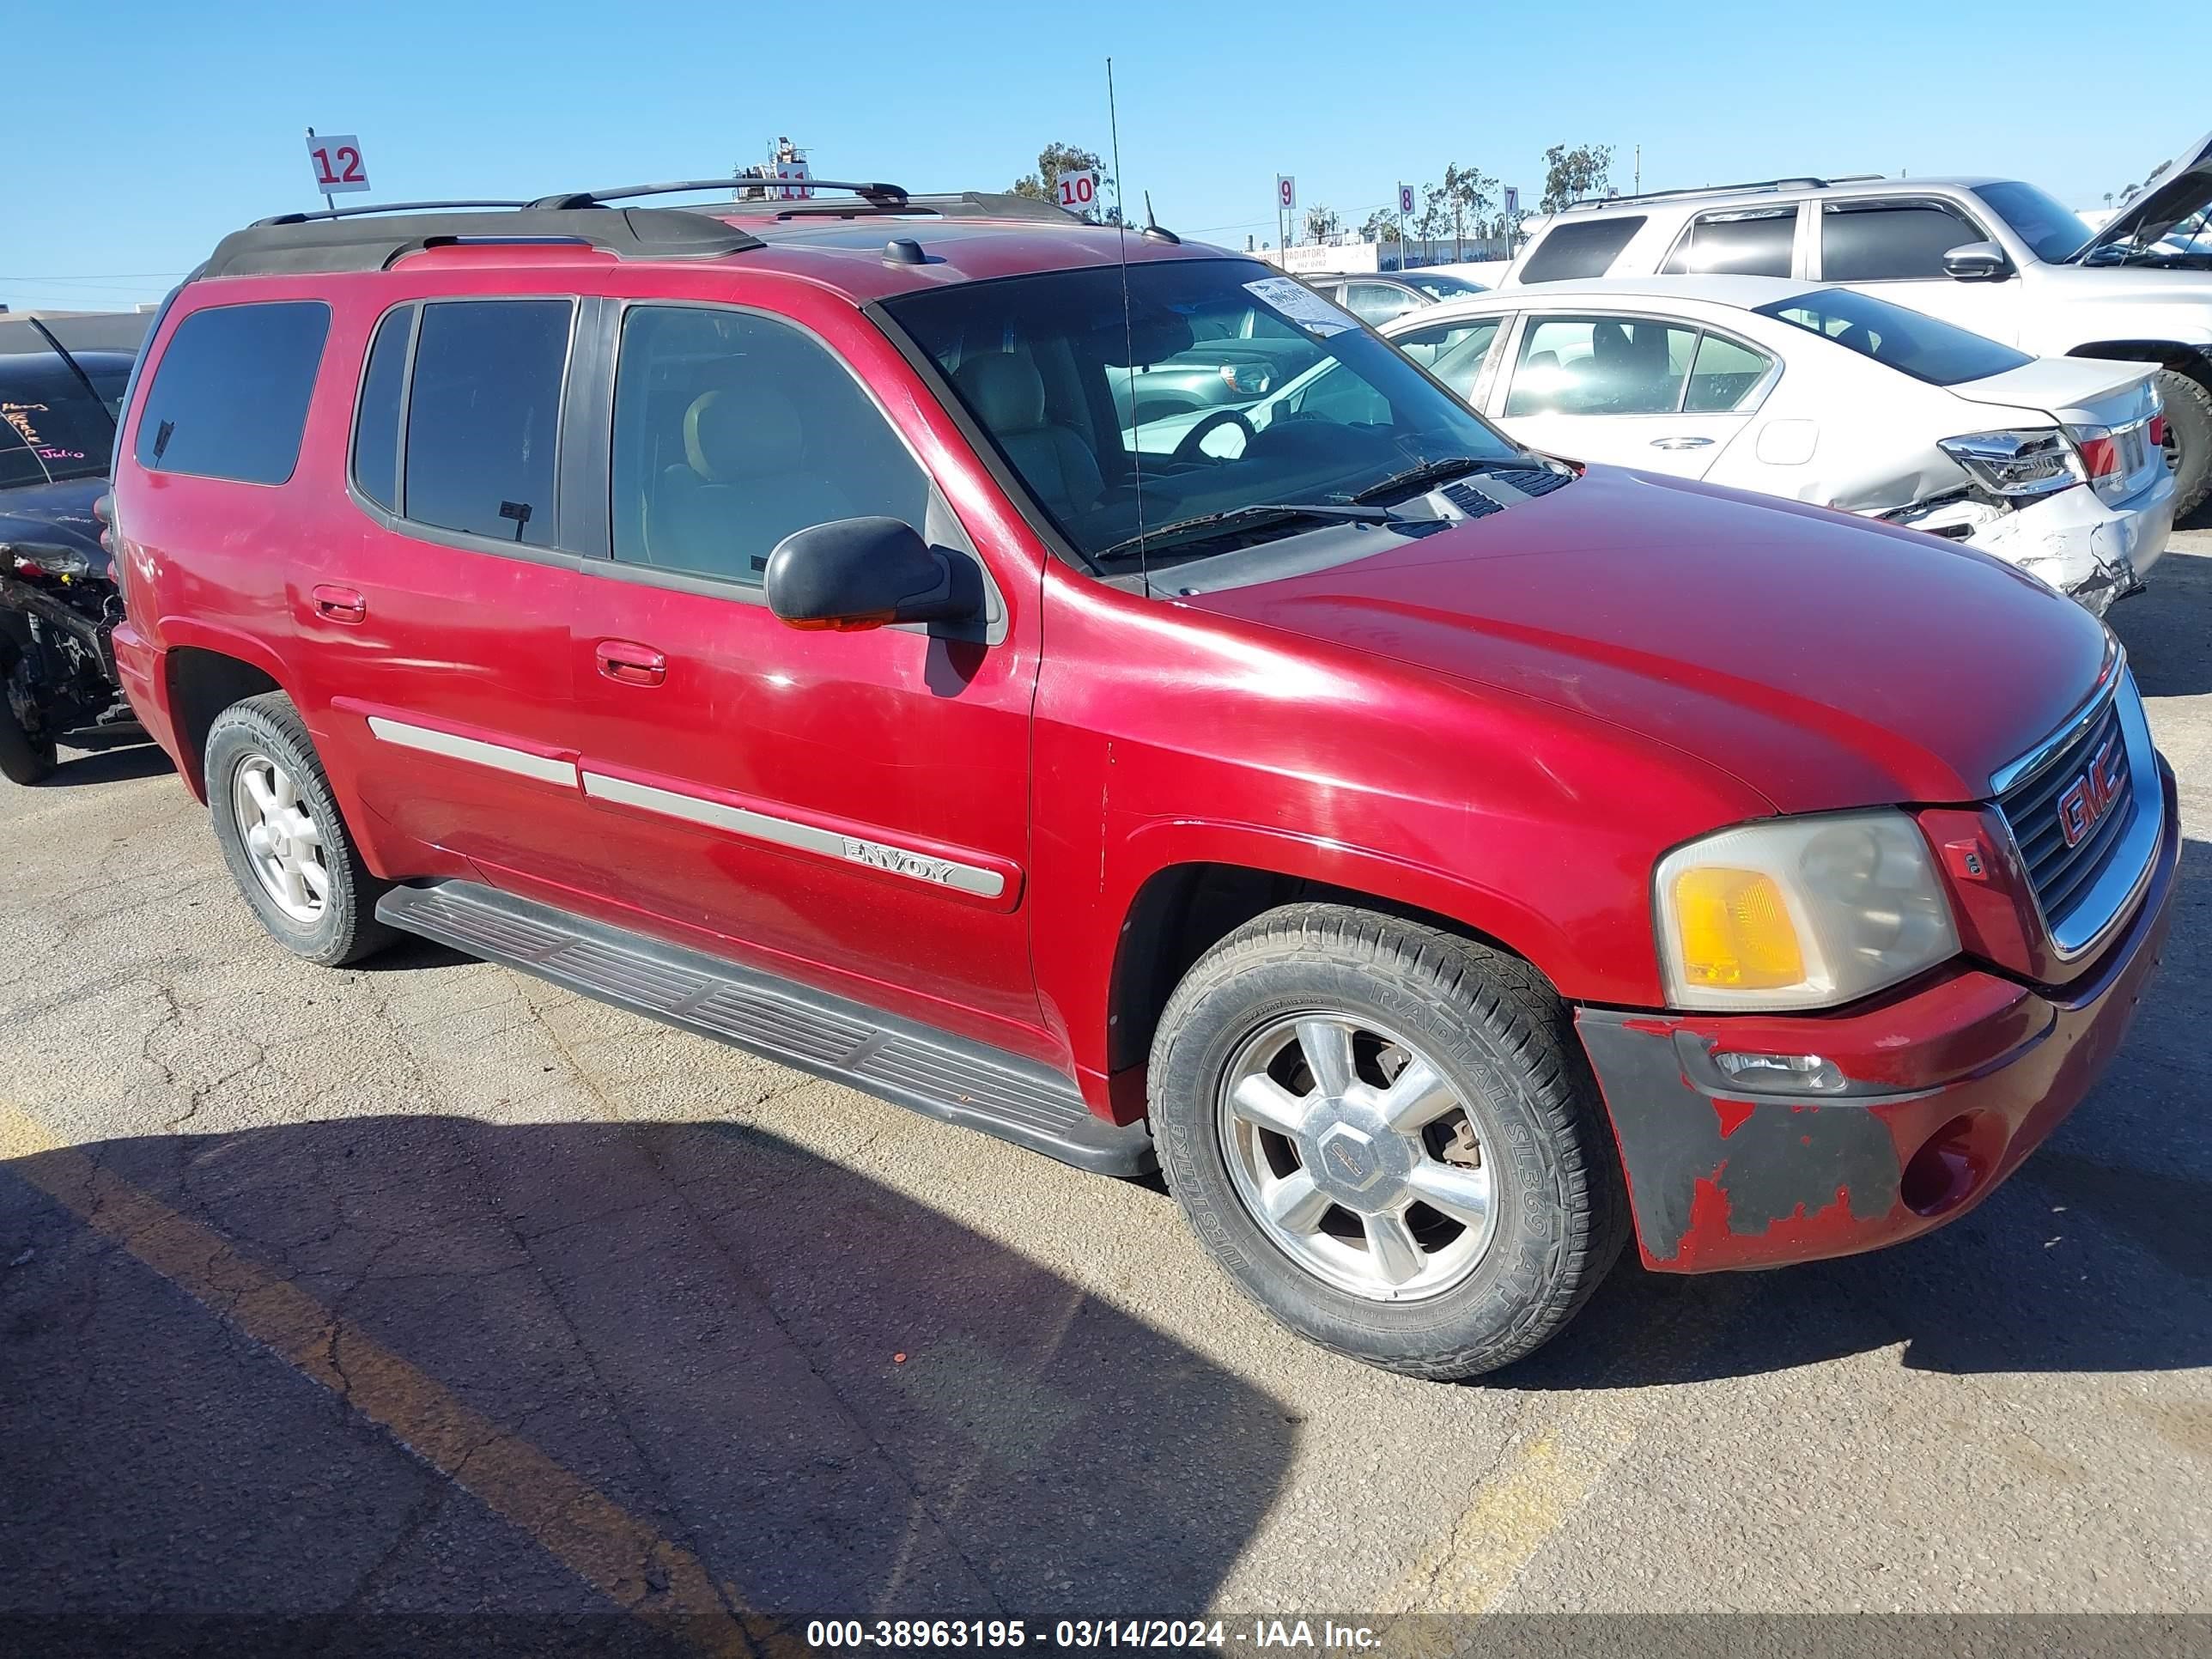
[1681, 443]
[339, 604]
[630, 663]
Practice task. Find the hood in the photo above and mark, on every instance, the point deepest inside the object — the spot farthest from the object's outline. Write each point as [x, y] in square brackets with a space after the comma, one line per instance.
[59, 512]
[2184, 188]
[1824, 661]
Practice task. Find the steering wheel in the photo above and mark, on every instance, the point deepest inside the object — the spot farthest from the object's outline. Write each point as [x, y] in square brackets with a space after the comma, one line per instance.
[1188, 450]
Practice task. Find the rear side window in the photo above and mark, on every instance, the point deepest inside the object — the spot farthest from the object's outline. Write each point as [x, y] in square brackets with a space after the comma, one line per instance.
[1579, 248]
[1889, 241]
[376, 426]
[484, 418]
[1759, 243]
[1723, 375]
[229, 397]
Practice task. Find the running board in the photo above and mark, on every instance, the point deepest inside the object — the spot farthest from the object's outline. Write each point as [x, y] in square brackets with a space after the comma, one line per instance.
[898, 1060]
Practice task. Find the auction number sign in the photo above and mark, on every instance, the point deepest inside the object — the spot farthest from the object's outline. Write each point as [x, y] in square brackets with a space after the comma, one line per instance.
[336, 157]
[1404, 201]
[1286, 192]
[1079, 191]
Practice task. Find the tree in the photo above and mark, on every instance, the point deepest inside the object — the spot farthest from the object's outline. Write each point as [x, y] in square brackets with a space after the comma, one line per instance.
[1569, 175]
[1435, 214]
[1466, 194]
[1381, 225]
[1053, 160]
[1321, 222]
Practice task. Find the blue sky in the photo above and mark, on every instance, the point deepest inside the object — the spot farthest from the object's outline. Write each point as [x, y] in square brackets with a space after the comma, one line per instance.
[156, 127]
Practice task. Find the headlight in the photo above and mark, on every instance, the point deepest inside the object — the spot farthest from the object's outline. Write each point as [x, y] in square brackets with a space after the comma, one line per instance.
[1800, 913]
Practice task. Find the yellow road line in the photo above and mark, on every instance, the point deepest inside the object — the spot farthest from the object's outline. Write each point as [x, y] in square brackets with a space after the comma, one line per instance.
[658, 1582]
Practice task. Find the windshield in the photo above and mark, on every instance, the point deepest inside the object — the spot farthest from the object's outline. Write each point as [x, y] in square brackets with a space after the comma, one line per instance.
[1903, 340]
[1437, 286]
[55, 428]
[1185, 407]
[2051, 229]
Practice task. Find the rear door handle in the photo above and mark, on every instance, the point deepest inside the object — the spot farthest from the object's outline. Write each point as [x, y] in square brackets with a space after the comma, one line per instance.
[339, 604]
[1681, 443]
[628, 664]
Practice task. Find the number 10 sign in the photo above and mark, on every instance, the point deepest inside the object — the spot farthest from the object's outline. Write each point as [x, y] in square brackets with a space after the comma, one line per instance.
[336, 158]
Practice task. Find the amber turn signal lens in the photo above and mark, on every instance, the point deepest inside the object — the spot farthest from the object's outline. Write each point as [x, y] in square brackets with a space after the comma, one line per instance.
[1735, 930]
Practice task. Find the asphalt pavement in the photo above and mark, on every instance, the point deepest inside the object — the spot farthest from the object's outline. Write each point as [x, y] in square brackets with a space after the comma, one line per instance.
[428, 1291]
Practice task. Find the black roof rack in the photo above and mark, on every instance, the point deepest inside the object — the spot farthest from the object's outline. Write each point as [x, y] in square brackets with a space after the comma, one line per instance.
[964, 204]
[368, 238]
[1806, 183]
[881, 195]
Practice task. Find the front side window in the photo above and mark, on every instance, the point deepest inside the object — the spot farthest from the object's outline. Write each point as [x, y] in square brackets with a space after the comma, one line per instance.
[1758, 242]
[484, 418]
[229, 396]
[1579, 247]
[1889, 241]
[1077, 383]
[732, 430]
[1600, 366]
[1453, 352]
[1907, 341]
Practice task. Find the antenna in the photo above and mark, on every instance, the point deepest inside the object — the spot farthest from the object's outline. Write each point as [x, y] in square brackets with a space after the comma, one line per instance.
[1128, 329]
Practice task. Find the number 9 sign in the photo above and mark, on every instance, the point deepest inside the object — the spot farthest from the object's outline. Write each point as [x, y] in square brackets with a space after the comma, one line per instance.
[1079, 191]
[336, 157]
[1286, 192]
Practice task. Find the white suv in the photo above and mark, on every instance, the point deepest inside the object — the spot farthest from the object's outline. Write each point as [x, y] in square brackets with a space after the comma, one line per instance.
[1993, 255]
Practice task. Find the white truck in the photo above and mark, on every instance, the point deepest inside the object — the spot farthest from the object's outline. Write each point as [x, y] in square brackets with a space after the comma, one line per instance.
[1994, 255]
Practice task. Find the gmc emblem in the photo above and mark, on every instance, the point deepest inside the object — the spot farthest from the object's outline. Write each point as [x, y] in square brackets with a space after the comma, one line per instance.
[2090, 796]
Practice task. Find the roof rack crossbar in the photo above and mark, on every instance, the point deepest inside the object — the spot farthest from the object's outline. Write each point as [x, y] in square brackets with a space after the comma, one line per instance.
[881, 195]
[376, 207]
[1805, 182]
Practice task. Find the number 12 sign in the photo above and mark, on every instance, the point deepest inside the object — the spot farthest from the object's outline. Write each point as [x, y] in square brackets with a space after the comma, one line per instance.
[336, 157]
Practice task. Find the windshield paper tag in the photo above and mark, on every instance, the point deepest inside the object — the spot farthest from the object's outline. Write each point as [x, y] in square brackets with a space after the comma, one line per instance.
[1292, 300]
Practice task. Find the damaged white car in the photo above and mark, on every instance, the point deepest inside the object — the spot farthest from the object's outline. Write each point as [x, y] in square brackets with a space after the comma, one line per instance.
[1825, 395]
[1821, 394]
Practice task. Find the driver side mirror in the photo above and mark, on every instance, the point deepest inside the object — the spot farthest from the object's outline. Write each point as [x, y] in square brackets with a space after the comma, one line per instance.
[854, 573]
[1977, 262]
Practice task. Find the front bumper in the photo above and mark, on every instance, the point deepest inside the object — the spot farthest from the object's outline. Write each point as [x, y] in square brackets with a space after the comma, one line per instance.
[1954, 1084]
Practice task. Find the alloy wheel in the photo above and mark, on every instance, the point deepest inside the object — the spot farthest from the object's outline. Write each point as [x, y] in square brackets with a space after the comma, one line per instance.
[283, 842]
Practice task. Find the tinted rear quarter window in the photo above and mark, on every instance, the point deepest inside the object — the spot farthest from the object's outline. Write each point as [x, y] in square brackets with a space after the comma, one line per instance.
[376, 426]
[1580, 248]
[1901, 241]
[229, 396]
[1752, 244]
[484, 418]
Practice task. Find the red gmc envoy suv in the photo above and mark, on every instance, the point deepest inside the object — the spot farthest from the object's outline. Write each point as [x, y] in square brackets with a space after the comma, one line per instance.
[769, 617]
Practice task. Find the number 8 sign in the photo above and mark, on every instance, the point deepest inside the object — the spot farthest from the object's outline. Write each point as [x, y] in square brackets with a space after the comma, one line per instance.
[336, 157]
[1079, 191]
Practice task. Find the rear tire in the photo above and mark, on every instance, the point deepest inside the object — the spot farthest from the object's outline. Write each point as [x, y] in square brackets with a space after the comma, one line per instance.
[24, 759]
[1503, 1125]
[2189, 438]
[279, 828]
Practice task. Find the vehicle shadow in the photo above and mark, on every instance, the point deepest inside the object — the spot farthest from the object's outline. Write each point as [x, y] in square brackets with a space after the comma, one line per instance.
[478, 1388]
[2167, 627]
[2096, 1256]
[116, 765]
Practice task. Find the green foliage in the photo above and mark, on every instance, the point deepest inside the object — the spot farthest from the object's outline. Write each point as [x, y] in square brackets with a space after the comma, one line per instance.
[1043, 184]
[1571, 174]
[1381, 225]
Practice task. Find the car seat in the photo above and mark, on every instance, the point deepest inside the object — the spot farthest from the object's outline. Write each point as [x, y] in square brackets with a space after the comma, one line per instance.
[1006, 393]
[749, 478]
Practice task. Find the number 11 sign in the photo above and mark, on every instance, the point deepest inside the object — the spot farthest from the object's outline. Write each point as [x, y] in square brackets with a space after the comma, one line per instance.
[336, 158]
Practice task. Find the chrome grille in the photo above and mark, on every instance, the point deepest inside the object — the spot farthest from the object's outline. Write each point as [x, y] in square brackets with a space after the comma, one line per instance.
[2063, 876]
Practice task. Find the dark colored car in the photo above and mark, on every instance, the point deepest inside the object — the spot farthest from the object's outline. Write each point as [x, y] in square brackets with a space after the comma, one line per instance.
[1444, 860]
[57, 598]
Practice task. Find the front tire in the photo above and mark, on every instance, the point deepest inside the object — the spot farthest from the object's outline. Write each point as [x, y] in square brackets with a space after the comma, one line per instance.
[1387, 1136]
[279, 828]
[2188, 438]
[24, 758]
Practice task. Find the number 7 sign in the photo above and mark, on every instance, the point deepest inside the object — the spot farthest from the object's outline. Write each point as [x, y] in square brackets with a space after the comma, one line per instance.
[336, 158]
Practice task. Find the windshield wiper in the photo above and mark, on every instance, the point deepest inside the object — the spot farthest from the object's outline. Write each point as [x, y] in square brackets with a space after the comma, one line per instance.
[1348, 511]
[1436, 472]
